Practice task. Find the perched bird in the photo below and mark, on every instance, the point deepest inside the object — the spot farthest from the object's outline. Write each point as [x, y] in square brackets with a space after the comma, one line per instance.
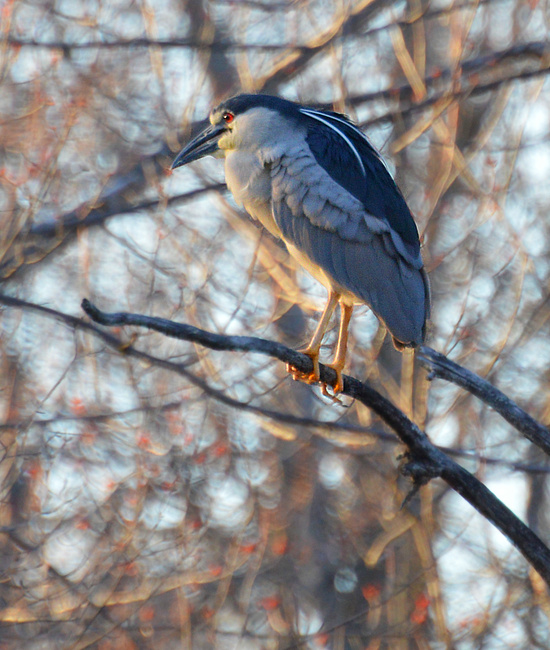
[314, 180]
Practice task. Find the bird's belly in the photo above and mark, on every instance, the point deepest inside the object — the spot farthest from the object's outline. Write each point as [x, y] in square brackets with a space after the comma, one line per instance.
[321, 276]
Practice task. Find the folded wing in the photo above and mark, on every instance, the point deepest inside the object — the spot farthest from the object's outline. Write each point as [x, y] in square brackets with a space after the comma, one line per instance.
[348, 216]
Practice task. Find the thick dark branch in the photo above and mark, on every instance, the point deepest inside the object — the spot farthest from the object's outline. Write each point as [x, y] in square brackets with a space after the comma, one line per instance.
[302, 362]
[210, 340]
[440, 366]
[426, 461]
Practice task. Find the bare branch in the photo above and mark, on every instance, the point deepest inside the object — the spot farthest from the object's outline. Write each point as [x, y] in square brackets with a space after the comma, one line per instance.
[425, 461]
[442, 367]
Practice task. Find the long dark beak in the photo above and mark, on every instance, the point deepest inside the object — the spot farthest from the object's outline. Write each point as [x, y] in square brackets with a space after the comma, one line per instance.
[205, 144]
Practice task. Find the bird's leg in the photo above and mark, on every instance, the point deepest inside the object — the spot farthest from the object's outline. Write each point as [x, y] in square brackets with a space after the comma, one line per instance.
[312, 350]
[341, 347]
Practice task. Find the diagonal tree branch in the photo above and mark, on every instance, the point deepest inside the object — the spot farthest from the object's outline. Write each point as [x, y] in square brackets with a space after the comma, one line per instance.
[442, 367]
[425, 461]
[438, 364]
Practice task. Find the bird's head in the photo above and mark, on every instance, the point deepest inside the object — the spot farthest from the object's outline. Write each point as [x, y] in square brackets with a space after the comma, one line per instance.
[244, 122]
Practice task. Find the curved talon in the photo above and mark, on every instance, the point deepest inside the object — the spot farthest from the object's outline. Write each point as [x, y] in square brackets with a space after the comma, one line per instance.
[306, 378]
[332, 396]
[339, 385]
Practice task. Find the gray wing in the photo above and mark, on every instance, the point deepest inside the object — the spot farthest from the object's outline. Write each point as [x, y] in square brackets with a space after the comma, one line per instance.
[359, 251]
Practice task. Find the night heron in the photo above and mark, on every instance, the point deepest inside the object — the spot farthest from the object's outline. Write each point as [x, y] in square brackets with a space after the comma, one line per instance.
[313, 180]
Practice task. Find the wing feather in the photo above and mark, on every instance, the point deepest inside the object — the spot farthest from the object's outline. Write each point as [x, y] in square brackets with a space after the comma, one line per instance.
[345, 153]
[359, 252]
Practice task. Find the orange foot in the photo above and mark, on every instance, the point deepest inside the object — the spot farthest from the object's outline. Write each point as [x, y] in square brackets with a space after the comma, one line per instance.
[312, 377]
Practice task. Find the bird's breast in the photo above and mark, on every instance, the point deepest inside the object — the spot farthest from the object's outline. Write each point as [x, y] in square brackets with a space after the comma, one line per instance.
[249, 181]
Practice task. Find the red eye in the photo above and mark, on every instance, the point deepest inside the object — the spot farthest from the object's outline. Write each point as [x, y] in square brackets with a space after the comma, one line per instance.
[228, 118]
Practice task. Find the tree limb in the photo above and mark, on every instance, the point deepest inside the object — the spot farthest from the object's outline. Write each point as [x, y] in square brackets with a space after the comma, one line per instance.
[440, 366]
[425, 461]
